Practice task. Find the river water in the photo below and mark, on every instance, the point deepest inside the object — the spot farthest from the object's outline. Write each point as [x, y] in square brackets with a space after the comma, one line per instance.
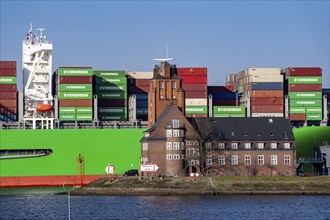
[42, 204]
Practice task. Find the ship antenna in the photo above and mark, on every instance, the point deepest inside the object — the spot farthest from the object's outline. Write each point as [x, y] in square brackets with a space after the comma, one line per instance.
[40, 38]
[166, 54]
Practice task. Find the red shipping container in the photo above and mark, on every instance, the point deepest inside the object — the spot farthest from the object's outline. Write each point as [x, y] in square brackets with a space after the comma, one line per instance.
[7, 64]
[8, 102]
[112, 102]
[304, 71]
[191, 71]
[195, 94]
[220, 88]
[305, 87]
[266, 93]
[76, 103]
[8, 72]
[8, 110]
[267, 109]
[75, 79]
[8, 95]
[225, 102]
[266, 101]
[141, 82]
[194, 86]
[197, 115]
[297, 117]
[8, 87]
[193, 79]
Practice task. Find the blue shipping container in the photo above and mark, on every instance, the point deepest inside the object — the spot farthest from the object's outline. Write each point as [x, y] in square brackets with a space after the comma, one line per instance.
[141, 97]
[224, 95]
[141, 104]
[267, 86]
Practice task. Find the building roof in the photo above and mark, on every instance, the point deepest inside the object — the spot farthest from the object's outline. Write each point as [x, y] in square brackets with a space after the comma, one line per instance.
[244, 129]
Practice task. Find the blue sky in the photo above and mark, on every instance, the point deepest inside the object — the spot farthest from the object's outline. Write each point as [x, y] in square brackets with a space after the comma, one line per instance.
[224, 36]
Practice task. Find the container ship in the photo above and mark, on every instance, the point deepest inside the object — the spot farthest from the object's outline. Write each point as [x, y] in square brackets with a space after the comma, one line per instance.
[66, 126]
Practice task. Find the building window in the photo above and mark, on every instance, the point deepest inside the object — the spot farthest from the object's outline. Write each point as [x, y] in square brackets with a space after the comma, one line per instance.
[261, 160]
[182, 133]
[208, 146]
[286, 145]
[188, 142]
[173, 85]
[168, 133]
[287, 160]
[197, 152]
[182, 145]
[146, 134]
[273, 145]
[182, 156]
[221, 145]
[176, 133]
[176, 156]
[222, 160]
[273, 160]
[169, 156]
[209, 161]
[188, 152]
[145, 146]
[175, 123]
[176, 145]
[234, 160]
[247, 159]
[247, 145]
[285, 135]
[260, 145]
[234, 145]
[161, 85]
[168, 145]
[193, 162]
[193, 151]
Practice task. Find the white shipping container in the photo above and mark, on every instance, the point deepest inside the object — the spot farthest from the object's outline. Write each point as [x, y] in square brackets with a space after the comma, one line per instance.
[264, 71]
[263, 78]
[140, 75]
[268, 114]
[196, 102]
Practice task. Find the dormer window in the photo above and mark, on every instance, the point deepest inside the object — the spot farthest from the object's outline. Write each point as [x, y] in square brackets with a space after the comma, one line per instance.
[259, 134]
[260, 145]
[245, 134]
[232, 133]
[285, 135]
[271, 134]
[175, 123]
[234, 145]
[146, 134]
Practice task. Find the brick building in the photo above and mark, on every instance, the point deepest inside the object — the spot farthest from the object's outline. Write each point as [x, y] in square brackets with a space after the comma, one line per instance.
[219, 146]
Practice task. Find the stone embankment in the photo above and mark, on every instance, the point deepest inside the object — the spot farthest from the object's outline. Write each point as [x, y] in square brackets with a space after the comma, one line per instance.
[186, 186]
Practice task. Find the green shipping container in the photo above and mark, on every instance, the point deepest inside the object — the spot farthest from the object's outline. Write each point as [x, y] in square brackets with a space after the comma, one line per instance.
[314, 117]
[67, 117]
[112, 95]
[8, 80]
[196, 109]
[237, 115]
[110, 88]
[305, 95]
[305, 79]
[220, 115]
[306, 103]
[112, 110]
[297, 110]
[229, 109]
[75, 95]
[112, 117]
[314, 110]
[109, 81]
[76, 87]
[84, 110]
[84, 117]
[75, 72]
[67, 110]
[109, 73]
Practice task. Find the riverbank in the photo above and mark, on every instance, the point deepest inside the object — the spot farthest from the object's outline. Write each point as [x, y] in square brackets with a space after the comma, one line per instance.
[207, 186]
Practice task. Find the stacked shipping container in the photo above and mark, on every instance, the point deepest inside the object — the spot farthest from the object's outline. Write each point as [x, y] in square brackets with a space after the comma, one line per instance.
[8, 91]
[111, 90]
[223, 95]
[194, 83]
[75, 93]
[229, 111]
[138, 83]
[304, 89]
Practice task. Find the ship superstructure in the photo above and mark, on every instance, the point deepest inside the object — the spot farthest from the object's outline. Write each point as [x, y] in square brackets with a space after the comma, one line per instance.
[37, 78]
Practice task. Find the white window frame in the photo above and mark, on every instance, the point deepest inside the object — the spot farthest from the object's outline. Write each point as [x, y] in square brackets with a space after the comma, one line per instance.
[192, 162]
[176, 156]
[176, 133]
[260, 145]
[168, 145]
[193, 151]
[188, 152]
[261, 160]
[145, 146]
[168, 156]
[208, 145]
[182, 156]
[173, 85]
[175, 123]
[234, 145]
[273, 145]
[287, 160]
[221, 145]
[273, 159]
[247, 145]
[182, 133]
[286, 145]
[146, 134]
[161, 85]
[209, 161]
[168, 133]
[234, 160]
[182, 145]
[176, 145]
[222, 160]
[247, 159]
